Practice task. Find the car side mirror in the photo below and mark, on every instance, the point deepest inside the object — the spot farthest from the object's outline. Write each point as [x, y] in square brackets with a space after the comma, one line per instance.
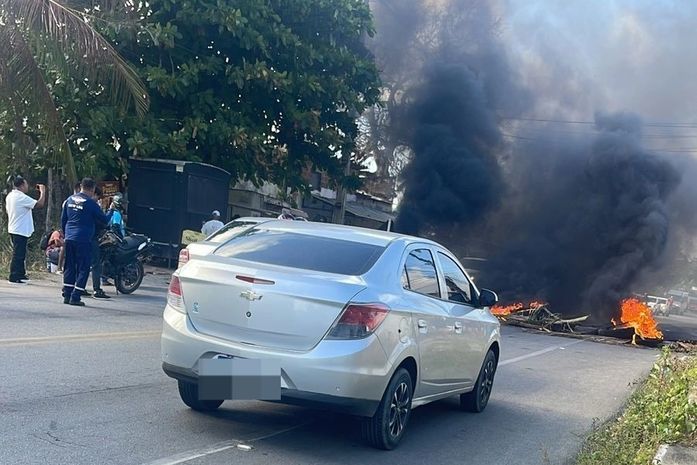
[487, 298]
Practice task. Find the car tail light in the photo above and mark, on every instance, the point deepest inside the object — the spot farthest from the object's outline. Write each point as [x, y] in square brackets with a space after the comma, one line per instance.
[358, 321]
[175, 298]
[183, 257]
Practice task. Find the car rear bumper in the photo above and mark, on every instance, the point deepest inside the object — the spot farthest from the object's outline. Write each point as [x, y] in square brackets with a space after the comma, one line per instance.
[346, 376]
[351, 406]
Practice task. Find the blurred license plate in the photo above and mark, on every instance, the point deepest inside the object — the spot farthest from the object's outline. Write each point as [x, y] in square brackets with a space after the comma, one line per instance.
[223, 378]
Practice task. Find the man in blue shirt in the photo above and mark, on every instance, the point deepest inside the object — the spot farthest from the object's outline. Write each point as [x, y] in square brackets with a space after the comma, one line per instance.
[81, 215]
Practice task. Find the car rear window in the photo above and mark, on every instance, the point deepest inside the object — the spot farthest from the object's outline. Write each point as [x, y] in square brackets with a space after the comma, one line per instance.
[302, 251]
[230, 230]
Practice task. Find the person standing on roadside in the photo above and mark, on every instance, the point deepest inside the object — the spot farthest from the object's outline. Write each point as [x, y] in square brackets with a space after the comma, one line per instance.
[97, 254]
[79, 219]
[21, 225]
[61, 257]
[212, 225]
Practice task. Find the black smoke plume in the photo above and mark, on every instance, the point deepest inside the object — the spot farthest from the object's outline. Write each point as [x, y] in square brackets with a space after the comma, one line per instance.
[574, 221]
[453, 176]
[594, 218]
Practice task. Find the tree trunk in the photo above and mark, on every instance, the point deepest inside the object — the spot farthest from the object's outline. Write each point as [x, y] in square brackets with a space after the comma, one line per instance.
[49, 200]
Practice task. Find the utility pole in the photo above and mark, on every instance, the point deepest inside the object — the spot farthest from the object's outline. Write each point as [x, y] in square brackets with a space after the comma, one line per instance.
[340, 203]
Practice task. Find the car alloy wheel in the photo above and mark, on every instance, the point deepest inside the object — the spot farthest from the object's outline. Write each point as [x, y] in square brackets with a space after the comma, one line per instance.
[399, 409]
[477, 400]
[487, 381]
[385, 429]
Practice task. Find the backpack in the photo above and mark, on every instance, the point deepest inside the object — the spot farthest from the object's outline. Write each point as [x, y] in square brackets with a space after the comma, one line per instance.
[43, 243]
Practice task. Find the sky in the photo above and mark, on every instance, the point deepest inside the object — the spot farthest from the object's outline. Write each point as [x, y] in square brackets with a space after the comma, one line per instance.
[612, 55]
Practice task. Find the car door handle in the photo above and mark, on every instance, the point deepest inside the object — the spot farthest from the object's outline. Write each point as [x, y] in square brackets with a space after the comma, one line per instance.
[422, 324]
[458, 327]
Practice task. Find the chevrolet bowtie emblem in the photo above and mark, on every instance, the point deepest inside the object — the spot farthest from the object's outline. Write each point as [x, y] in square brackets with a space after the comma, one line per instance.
[251, 295]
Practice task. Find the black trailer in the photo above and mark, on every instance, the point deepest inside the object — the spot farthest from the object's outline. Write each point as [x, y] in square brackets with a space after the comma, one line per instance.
[166, 197]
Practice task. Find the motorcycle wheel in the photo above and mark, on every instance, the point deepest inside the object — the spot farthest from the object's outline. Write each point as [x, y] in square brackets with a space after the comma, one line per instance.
[130, 277]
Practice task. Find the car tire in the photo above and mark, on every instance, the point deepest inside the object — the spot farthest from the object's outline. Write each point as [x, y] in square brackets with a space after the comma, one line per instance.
[386, 428]
[189, 394]
[477, 400]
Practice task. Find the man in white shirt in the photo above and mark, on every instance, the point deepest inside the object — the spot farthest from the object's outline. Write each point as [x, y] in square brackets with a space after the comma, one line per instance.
[21, 224]
[214, 224]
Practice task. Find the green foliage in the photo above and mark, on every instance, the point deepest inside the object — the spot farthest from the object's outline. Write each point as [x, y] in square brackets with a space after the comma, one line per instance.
[262, 88]
[659, 412]
[39, 36]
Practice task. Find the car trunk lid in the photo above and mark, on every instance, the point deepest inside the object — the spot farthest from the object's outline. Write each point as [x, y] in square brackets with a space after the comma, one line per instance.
[264, 305]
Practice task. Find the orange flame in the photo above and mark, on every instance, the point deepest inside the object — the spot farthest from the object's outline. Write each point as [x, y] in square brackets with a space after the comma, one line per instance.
[639, 316]
[505, 310]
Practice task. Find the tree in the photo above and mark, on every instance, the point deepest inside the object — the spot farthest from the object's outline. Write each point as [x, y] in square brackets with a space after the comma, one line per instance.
[263, 88]
[40, 36]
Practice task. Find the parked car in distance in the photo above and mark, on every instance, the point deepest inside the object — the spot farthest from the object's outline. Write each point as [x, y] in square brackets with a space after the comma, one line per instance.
[224, 234]
[659, 305]
[359, 321]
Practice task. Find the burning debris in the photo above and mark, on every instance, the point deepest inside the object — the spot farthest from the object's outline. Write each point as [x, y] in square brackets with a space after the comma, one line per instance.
[538, 316]
[505, 310]
[636, 321]
[638, 315]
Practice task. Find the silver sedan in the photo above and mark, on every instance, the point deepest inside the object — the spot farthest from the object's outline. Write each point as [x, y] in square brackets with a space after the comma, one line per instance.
[360, 321]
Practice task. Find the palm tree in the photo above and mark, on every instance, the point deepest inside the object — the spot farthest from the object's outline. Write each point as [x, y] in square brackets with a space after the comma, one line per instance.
[36, 35]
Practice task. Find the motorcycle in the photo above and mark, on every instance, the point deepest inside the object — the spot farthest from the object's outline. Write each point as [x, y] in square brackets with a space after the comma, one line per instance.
[122, 259]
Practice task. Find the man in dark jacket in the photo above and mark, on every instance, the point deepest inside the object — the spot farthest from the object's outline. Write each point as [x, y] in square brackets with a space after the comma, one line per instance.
[81, 215]
[97, 256]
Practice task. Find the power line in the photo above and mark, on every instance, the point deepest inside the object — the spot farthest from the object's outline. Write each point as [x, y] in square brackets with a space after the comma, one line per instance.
[593, 123]
[655, 149]
[594, 132]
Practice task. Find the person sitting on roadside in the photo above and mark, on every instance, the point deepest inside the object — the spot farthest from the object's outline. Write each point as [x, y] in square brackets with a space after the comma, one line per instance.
[212, 225]
[54, 250]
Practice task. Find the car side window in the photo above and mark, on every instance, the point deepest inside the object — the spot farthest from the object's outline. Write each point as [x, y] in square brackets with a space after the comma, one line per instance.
[456, 282]
[420, 273]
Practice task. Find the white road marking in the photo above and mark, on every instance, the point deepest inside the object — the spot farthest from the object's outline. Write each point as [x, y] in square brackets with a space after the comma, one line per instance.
[77, 338]
[538, 353]
[216, 448]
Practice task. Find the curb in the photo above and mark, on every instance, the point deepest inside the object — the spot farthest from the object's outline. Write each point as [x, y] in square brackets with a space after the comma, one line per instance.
[675, 455]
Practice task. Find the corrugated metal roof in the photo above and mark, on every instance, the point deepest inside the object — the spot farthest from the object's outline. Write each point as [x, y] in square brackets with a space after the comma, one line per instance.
[360, 210]
[367, 212]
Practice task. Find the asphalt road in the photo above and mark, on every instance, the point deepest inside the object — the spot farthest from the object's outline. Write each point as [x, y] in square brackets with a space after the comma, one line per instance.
[84, 386]
[678, 327]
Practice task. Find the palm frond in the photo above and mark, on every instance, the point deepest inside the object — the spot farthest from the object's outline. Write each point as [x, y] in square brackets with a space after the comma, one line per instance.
[24, 90]
[93, 56]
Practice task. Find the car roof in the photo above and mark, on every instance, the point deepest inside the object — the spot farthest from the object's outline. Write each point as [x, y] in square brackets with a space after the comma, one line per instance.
[338, 231]
[253, 219]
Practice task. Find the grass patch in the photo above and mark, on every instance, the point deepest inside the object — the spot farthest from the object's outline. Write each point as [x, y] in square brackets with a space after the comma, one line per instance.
[662, 410]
